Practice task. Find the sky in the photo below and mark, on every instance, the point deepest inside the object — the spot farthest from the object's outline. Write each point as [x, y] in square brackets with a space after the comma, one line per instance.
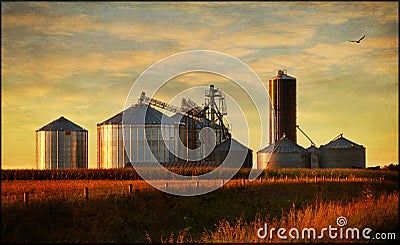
[80, 59]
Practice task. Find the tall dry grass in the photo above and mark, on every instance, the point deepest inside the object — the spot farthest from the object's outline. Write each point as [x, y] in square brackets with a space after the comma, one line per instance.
[378, 213]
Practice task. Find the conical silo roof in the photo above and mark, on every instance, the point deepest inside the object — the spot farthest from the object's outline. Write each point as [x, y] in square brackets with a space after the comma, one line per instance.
[61, 124]
[234, 146]
[284, 145]
[341, 142]
[132, 116]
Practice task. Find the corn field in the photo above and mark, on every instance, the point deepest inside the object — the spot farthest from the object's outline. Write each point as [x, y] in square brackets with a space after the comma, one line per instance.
[154, 173]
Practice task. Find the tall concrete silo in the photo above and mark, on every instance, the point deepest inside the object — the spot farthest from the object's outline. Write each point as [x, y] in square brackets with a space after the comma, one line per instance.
[282, 91]
[342, 153]
[61, 144]
[284, 153]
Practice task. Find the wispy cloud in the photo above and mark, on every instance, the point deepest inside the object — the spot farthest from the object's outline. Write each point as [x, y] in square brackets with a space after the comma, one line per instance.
[80, 59]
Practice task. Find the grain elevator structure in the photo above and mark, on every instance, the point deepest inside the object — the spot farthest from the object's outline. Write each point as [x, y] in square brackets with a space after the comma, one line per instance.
[122, 136]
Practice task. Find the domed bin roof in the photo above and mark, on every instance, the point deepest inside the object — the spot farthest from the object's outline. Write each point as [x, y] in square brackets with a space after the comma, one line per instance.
[342, 153]
[284, 145]
[132, 116]
[341, 143]
[236, 151]
[231, 144]
[61, 124]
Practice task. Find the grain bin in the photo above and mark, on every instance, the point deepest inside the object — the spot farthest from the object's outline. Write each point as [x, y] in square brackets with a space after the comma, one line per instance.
[342, 153]
[111, 152]
[314, 156]
[284, 153]
[238, 151]
[61, 144]
[282, 91]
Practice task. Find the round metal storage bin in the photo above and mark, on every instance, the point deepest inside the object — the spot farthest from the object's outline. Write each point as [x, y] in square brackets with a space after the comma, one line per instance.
[111, 151]
[61, 144]
[314, 156]
[342, 153]
[283, 154]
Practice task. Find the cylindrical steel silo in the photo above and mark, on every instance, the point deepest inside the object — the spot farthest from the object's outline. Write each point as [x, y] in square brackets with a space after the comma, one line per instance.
[111, 151]
[342, 153]
[314, 156]
[284, 153]
[61, 144]
[237, 151]
[282, 91]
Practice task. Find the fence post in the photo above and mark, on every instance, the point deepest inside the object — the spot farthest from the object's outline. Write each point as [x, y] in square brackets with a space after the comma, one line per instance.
[166, 186]
[86, 193]
[222, 183]
[323, 178]
[197, 184]
[26, 198]
[243, 182]
[260, 179]
[315, 179]
[130, 190]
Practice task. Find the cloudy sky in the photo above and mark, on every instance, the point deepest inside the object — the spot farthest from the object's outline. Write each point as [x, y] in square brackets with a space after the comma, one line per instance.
[80, 60]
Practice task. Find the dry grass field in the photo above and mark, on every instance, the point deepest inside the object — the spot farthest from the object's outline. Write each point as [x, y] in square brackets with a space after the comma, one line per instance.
[58, 211]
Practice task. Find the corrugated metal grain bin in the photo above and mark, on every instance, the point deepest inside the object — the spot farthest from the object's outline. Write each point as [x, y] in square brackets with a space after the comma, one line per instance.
[189, 129]
[61, 144]
[314, 156]
[282, 91]
[283, 154]
[238, 151]
[342, 153]
[111, 152]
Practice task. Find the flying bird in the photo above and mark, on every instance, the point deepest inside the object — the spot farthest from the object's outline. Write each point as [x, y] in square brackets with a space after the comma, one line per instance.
[357, 41]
